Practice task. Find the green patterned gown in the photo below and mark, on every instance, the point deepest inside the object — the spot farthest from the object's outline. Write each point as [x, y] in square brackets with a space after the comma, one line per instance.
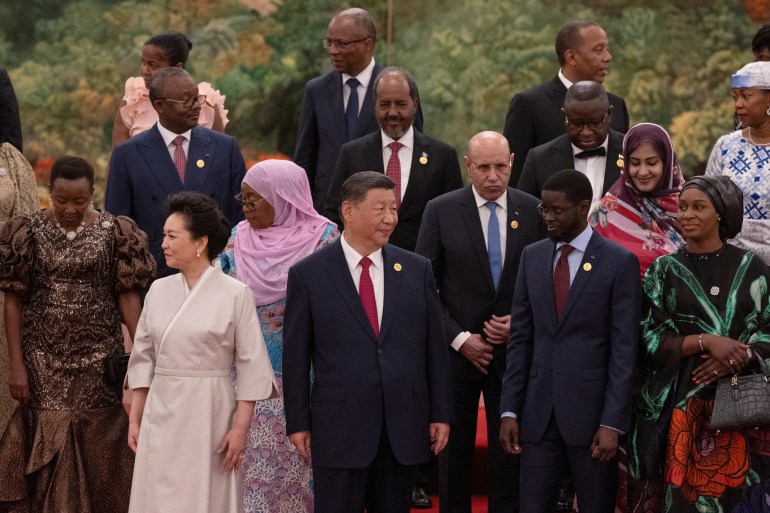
[677, 464]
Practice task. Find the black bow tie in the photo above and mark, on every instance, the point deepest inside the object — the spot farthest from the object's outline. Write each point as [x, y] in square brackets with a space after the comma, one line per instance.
[596, 152]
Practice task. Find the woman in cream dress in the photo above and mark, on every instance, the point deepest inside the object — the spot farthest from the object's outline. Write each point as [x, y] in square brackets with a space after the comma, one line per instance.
[188, 424]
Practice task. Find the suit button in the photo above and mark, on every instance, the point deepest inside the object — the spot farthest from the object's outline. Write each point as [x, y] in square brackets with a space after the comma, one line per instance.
[379, 351]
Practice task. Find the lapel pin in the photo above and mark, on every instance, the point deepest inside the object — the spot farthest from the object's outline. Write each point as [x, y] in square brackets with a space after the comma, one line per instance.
[514, 224]
[3, 171]
[200, 163]
[620, 161]
[587, 266]
[424, 158]
[397, 266]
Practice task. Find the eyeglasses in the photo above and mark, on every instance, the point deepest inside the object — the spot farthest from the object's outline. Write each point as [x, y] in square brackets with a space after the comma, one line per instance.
[339, 44]
[557, 212]
[486, 168]
[592, 125]
[189, 102]
[248, 204]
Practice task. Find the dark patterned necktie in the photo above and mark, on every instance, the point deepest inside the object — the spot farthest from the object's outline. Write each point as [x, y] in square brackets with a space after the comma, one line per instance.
[366, 293]
[180, 161]
[394, 170]
[561, 280]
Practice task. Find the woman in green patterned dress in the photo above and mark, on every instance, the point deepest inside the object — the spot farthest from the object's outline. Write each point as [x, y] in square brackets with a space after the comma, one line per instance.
[707, 316]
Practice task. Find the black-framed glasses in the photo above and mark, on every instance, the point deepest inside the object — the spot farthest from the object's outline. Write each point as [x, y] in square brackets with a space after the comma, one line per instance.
[189, 102]
[248, 204]
[558, 211]
[578, 126]
[340, 44]
[499, 167]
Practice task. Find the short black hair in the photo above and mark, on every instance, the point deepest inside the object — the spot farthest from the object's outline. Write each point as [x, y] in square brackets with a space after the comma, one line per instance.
[68, 167]
[574, 184]
[761, 39]
[174, 45]
[569, 37]
[202, 219]
[158, 85]
[414, 94]
[358, 184]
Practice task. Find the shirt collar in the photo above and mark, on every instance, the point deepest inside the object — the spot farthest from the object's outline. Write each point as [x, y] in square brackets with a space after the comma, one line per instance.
[564, 80]
[169, 136]
[502, 201]
[580, 242]
[406, 140]
[364, 77]
[605, 145]
[353, 257]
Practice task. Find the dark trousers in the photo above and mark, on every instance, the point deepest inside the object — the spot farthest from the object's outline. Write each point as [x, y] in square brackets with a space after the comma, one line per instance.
[456, 460]
[543, 467]
[385, 486]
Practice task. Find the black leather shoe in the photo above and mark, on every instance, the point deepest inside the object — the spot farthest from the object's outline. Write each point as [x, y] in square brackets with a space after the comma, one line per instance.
[420, 499]
[566, 497]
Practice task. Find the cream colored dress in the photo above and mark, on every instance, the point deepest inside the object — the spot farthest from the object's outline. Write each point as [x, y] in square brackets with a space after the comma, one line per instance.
[186, 344]
[18, 196]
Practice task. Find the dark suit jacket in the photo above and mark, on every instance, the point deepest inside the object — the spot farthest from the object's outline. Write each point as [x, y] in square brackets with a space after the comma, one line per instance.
[535, 117]
[142, 176]
[322, 129]
[580, 368]
[363, 383]
[10, 124]
[546, 160]
[451, 238]
[440, 174]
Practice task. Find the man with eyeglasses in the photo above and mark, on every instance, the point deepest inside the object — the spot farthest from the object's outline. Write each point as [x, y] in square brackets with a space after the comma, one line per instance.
[534, 116]
[421, 167]
[474, 238]
[338, 106]
[589, 145]
[174, 155]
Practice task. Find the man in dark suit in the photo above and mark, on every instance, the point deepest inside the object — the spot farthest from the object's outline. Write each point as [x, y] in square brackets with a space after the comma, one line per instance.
[365, 316]
[10, 123]
[475, 257]
[328, 118]
[174, 155]
[590, 145]
[571, 354]
[534, 116]
[421, 167]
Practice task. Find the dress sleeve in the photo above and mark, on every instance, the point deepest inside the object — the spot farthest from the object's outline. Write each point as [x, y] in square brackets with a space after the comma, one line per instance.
[134, 265]
[227, 257]
[252, 363]
[141, 365]
[16, 256]
[715, 164]
[330, 234]
[135, 96]
[25, 190]
[659, 334]
[214, 101]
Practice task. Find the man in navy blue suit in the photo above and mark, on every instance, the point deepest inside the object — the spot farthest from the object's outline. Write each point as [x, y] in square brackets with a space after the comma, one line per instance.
[328, 118]
[571, 354]
[365, 316]
[174, 155]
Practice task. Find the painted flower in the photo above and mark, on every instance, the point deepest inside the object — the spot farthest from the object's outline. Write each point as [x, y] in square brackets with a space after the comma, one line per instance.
[273, 317]
[701, 461]
[761, 437]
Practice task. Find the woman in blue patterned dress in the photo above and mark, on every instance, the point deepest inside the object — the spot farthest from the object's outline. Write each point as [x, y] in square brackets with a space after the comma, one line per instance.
[280, 228]
[744, 156]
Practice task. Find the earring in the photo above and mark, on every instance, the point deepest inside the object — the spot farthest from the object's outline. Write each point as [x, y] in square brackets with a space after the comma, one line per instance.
[768, 111]
[720, 217]
[198, 253]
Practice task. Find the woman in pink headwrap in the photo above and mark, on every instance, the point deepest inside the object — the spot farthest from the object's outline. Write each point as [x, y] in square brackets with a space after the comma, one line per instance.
[280, 228]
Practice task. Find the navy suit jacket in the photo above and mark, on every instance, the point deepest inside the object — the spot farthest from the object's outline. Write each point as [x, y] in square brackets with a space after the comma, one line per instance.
[322, 129]
[142, 176]
[10, 124]
[535, 117]
[451, 237]
[580, 368]
[439, 174]
[362, 383]
[546, 160]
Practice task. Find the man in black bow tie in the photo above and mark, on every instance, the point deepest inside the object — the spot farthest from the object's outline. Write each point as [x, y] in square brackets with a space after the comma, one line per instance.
[589, 144]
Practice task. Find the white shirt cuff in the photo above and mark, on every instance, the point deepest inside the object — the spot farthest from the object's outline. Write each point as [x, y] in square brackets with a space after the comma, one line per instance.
[460, 340]
[508, 414]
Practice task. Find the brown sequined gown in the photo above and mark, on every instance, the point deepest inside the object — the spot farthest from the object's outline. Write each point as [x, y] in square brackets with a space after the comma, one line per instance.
[67, 451]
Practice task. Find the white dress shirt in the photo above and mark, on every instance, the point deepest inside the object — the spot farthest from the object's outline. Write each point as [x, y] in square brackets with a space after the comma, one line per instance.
[168, 138]
[376, 271]
[363, 83]
[593, 168]
[404, 155]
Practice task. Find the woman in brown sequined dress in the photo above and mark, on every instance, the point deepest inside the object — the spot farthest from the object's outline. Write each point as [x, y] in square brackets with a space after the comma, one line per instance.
[70, 275]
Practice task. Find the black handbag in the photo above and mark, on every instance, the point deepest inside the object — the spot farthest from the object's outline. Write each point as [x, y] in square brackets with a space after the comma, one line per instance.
[742, 401]
[115, 368]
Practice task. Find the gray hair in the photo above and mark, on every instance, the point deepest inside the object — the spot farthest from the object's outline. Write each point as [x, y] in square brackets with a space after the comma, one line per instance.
[158, 89]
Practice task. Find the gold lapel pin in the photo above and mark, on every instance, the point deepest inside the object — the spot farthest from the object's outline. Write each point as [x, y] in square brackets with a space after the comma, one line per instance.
[587, 266]
[397, 266]
[423, 160]
[200, 163]
[619, 162]
[514, 224]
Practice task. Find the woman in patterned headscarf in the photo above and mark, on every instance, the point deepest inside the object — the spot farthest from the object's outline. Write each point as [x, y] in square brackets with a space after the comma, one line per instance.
[707, 316]
[743, 155]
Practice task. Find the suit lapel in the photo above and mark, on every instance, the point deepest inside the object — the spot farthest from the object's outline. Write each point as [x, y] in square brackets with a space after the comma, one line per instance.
[418, 169]
[393, 280]
[557, 92]
[373, 153]
[561, 157]
[611, 168]
[334, 97]
[587, 268]
[470, 214]
[511, 235]
[158, 159]
[199, 160]
[367, 109]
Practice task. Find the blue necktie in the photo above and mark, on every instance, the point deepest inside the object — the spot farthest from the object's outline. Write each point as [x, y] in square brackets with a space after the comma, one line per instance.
[493, 244]
[351, 113]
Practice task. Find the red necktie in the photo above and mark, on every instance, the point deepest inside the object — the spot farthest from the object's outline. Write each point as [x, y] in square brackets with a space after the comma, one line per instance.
[366, 293]
[394, 169]
[561, 280]
[180, 161]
